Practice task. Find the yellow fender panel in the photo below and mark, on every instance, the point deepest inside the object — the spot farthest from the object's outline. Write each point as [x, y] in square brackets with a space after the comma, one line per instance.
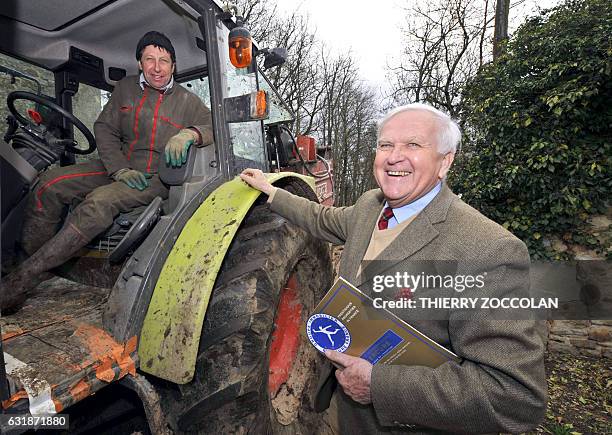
[171, 331]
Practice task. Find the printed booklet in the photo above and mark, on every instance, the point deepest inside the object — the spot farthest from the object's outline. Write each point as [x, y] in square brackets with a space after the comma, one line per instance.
[346, 320]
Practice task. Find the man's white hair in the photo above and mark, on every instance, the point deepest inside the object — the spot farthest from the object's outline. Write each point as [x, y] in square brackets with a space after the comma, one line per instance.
[449, 134]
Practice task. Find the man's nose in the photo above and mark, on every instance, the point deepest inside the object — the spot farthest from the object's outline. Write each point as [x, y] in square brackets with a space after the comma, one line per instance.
[157, 66]
[397, 154]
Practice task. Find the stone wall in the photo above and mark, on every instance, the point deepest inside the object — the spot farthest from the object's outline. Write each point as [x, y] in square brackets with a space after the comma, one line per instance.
[589, 337]
[584, 337]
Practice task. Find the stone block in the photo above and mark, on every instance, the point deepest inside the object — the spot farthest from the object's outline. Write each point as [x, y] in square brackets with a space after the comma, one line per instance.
[558, 338]
[602, 322]
[591, 352]
[567, 331]
[576, 327]
[600, 333]
[554, 346]
[599, 222]
[583, 343]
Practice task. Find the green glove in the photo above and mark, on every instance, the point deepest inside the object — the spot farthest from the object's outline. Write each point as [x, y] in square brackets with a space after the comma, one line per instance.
[133, 178]
[177, 147]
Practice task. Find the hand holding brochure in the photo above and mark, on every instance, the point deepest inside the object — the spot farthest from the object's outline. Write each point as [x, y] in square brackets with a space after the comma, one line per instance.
[345, 320]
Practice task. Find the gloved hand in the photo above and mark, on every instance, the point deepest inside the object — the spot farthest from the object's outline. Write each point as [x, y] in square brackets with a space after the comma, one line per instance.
[133, 178]
[177, 146]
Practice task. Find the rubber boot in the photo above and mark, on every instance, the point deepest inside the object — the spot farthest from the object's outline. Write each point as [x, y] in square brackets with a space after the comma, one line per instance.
[14, 288]
[36, 231]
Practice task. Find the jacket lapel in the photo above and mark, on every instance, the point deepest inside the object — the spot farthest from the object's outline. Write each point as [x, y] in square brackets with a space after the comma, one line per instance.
[418, 234]
[366, 217]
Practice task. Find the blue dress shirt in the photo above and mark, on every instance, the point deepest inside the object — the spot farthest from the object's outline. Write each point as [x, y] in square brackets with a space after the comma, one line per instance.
[404, 212]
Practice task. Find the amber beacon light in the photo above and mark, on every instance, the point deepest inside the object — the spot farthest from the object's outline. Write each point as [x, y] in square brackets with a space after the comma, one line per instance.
[240, 45]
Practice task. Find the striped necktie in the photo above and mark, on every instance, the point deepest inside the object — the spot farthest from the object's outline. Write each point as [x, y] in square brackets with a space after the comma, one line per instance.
[383, 222]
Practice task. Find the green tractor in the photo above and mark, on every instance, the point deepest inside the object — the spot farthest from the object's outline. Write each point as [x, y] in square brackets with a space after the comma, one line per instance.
[185, 314]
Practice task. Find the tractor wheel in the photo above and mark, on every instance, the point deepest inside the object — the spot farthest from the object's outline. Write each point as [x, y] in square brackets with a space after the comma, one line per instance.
[255, 372]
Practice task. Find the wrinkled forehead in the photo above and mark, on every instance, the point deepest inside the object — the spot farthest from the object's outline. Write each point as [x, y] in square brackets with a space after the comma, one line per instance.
[410, 126]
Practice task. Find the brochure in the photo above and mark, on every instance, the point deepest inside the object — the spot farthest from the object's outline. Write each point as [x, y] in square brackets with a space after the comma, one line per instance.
[346, 321]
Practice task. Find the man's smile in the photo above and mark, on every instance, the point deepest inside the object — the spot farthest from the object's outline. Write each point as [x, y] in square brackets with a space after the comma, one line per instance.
[398, 173]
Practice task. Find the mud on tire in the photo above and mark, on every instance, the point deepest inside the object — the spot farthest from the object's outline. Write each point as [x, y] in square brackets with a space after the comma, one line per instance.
[229, 393]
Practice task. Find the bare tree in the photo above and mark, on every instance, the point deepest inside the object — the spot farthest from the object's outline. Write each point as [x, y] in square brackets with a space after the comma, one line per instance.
[445, 42]
[257, 14]
[346, 123]
[324, 91]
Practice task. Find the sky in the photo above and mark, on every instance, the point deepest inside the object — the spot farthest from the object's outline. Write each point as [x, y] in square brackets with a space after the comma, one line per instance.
[372, 32]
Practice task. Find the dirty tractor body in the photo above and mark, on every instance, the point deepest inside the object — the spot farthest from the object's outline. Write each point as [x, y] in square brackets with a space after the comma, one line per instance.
[185, 314]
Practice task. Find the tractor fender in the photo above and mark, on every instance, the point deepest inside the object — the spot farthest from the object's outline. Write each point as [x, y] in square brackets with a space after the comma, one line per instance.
[170, 335]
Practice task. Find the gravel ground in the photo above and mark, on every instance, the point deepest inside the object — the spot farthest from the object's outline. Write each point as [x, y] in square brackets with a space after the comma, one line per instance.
[579, 395]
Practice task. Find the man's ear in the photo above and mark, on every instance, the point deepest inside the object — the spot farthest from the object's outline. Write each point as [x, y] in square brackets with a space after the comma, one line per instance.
[447, 162]
[139, 66]
[173, 67]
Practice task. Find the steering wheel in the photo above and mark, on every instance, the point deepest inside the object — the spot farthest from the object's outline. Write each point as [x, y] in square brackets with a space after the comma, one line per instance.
[69, 144]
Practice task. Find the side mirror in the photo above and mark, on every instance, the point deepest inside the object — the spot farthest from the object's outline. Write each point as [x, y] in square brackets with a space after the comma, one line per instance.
[274, 56]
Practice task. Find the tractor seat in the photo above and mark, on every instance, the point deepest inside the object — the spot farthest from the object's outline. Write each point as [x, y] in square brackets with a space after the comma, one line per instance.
[177, 176]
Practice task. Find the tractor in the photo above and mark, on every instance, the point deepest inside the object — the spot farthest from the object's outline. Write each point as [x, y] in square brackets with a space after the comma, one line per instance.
[185, 315]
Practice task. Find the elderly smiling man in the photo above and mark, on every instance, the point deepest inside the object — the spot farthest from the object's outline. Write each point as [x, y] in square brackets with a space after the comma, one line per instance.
[500, 385]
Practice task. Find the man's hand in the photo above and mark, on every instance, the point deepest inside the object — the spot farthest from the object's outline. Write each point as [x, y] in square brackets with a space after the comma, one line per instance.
[133, 178]
[177, 146]
[354, 377]
[257, 180]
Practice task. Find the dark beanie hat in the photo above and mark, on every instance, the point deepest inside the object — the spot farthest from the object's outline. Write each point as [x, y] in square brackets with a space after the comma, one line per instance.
[155, 39]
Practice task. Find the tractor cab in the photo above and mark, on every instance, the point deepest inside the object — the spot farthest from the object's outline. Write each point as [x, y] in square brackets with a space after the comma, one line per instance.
[60, 61]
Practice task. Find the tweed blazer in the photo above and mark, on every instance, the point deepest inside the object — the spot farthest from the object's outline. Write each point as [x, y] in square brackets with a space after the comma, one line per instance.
[500, 386]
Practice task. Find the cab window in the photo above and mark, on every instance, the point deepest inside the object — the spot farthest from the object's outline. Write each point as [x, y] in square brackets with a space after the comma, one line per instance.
[200, 88]
[10, 84]
[246, 137]
[279, 111]
[87, 104]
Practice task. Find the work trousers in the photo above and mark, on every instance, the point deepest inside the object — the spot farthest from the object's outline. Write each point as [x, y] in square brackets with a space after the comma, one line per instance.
[98, 198]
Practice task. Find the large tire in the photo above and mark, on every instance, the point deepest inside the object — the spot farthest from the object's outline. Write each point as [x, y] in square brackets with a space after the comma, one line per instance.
[230, 392]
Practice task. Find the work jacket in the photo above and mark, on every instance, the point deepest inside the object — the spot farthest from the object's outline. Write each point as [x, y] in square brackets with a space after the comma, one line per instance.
[135, 125]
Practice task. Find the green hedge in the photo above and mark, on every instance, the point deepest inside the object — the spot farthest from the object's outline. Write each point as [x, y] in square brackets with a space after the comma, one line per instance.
[537, 122]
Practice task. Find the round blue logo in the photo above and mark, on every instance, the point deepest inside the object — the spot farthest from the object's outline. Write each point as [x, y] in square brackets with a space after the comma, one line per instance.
[327, 332]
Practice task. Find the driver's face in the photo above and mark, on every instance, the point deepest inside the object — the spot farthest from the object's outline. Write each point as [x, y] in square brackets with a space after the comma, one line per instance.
[157, 66]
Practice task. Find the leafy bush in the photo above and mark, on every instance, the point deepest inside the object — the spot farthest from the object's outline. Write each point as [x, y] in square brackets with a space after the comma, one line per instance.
[537, 121]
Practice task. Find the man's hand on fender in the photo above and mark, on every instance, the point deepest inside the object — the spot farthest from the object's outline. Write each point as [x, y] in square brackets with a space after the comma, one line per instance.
[354, 377]
[133, 178]
[177, 147]
[257, 180]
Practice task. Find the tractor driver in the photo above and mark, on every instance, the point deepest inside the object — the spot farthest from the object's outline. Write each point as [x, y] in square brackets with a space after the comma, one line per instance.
[148, 117]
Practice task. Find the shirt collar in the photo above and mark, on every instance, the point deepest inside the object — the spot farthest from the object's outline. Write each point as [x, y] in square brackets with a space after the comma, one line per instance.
[406, 211]
[165, 89]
